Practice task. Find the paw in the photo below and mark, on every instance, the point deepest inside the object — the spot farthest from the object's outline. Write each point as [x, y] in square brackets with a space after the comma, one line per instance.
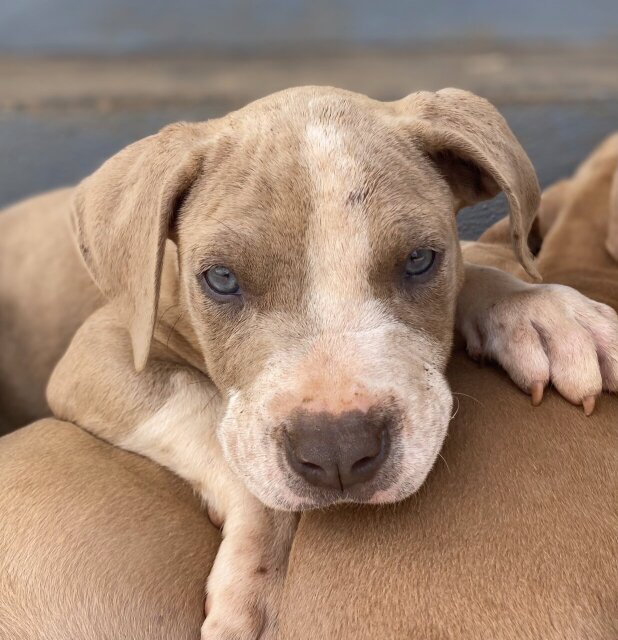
[550, 333]
[235, 620]
[240, 606]
[246, 582]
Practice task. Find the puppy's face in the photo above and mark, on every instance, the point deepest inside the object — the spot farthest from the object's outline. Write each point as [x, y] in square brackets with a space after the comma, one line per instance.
[320, 267]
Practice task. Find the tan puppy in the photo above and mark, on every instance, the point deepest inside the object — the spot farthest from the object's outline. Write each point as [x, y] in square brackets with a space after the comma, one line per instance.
[315, 292]
[45, 295]
[96, 386]
[612, 231]
[515, 538]
[269, 357]
[50, 294]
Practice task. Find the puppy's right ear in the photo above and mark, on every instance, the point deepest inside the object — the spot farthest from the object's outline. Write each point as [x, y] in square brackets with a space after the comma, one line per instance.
[122, 215]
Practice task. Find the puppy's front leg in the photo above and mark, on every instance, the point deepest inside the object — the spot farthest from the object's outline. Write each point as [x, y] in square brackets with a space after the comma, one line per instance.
[540, 333]
[246, 580]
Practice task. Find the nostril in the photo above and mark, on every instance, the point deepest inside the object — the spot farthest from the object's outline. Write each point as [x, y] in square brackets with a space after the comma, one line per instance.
[360, 465]
[368, 463]
[310, 466]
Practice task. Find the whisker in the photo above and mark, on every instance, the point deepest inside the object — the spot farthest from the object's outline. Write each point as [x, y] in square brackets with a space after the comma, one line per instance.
[456, 410]
[162, 315]
[465, 395]
[212, 397]
[445, 462]
[227, 226]
[169, 335]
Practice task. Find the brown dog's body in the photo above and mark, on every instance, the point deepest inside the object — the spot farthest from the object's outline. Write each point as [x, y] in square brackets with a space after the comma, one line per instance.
[96, 542]
[45, 295]
[512, 538]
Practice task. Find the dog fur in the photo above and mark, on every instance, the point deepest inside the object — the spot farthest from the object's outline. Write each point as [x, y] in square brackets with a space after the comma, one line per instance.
[45, 295]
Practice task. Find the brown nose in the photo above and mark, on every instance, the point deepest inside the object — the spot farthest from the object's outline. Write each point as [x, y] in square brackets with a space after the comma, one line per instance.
[337, 451]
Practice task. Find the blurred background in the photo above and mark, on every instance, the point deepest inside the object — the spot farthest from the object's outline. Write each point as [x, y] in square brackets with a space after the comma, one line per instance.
[79, 79]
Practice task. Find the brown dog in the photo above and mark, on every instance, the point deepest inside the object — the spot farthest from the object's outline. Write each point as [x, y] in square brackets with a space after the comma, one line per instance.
[514, 536]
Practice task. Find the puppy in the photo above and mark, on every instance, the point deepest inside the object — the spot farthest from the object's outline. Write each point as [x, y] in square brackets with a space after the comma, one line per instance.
[513, 536]
[45, 295]
[287, 351]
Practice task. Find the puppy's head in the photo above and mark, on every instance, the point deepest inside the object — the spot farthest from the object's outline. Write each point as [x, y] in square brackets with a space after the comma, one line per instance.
[319, 267]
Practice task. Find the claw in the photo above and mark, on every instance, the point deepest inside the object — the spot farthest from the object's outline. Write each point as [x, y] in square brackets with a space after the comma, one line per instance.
[477, 356]
[588, 403]
[536, 391]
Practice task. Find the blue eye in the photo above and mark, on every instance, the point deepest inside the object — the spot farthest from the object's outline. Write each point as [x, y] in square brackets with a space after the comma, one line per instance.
[419, 262]
[221, 280]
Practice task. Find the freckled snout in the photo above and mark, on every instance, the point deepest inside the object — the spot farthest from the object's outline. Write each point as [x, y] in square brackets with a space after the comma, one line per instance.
[338, 451]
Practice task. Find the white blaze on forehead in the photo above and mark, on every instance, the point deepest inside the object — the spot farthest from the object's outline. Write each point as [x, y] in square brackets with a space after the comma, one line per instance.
[338, 243]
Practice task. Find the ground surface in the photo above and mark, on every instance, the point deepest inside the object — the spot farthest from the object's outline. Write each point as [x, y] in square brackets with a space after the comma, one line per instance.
[60, 117]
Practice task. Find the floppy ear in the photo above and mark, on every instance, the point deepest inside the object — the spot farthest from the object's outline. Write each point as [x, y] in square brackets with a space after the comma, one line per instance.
[122, 216]
[473, 147]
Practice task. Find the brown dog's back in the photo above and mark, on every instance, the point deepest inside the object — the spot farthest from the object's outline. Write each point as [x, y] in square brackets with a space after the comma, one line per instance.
[96, 542]
[39, 265]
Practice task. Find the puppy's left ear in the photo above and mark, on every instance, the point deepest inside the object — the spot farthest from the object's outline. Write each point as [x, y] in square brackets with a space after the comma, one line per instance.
[478, 155]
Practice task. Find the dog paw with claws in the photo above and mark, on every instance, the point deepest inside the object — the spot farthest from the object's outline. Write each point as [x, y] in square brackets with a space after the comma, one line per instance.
[546, 333]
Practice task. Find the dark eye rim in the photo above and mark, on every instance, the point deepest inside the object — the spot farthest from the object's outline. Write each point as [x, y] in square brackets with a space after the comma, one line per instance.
[212, 292]
[423, 276]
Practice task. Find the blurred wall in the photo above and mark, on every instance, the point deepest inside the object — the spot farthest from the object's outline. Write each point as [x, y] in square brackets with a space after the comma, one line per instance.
[79, 79]
[122, 26]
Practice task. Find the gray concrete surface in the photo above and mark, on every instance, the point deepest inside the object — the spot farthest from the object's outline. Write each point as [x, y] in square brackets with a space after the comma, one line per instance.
[79, 79]
[502, 73]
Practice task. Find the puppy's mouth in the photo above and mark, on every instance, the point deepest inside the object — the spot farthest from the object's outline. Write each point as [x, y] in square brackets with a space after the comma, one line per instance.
[376, 448]
[308, 498]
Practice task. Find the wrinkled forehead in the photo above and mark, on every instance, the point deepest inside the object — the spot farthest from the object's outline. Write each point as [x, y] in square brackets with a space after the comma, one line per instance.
[326, 178]
[302, 138]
